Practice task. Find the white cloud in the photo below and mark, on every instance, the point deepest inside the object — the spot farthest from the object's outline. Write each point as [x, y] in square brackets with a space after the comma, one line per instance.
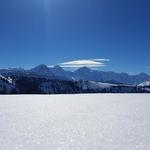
[91, 63]
[103, 60]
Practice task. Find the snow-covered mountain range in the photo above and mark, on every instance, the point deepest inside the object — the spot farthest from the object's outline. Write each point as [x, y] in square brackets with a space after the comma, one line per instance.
[83, 73]
[88, 74]
[44, 79]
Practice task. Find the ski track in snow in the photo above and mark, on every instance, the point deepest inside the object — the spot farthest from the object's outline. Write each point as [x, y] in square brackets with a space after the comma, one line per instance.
[75, 122]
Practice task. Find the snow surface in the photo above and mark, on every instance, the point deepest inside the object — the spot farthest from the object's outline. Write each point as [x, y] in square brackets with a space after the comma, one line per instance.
[75, 122]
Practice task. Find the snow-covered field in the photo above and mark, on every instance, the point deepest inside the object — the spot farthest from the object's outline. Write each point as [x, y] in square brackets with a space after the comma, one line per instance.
[75, 122]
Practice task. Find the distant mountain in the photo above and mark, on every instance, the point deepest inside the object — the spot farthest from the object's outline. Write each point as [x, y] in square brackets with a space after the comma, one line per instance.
[82, 73]
[11, 70]
[60, 73]
[93, 75]
[85, 73]
[42, 70]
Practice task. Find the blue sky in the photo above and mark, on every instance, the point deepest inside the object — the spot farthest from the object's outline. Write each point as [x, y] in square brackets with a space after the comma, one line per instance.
[51, 32]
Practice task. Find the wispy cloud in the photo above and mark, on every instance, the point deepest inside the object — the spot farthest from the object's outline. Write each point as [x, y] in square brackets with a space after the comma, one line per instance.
[148, 67]
[91, 63]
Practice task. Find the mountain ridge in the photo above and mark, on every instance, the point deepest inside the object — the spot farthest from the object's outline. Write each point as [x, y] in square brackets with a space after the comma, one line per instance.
[83, 73]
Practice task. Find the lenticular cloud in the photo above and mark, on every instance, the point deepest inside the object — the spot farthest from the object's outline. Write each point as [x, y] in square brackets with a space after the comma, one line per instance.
[91, 63]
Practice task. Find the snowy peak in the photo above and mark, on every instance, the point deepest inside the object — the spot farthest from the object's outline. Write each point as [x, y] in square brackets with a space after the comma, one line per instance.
[143, 74]
[59, 72]
[8, 80]
[42, 70]
[40, 67]
[85, 73]
[6, 85]
[57, 69]
[146, 83]
[83, 69]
